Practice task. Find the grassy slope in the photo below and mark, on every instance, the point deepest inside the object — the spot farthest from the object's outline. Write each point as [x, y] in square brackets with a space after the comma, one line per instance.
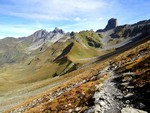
[91, 37]
[11, 51]
[78, 53]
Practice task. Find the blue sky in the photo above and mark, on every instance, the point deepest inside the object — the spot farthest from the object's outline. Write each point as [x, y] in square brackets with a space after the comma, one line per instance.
[23, 17]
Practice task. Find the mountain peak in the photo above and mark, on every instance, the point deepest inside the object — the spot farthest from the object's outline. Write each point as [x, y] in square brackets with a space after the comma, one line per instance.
[40, 33]
[112, 23]
[57, 30]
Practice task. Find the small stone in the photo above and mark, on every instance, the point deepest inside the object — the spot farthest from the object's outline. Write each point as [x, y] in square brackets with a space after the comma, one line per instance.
[70, 110]
[97, 107]
[127, 101]
[129, 79]
[119, 97]
[124, 84]
[69, 104]
[130, 87]
[129, 95]
[96, 95]
[96, 100]
[99, 86]
[77, 109]
[141, 105]
[102, 103]
[84, 81]
[90, 111]
[65, 105]
[124, 80]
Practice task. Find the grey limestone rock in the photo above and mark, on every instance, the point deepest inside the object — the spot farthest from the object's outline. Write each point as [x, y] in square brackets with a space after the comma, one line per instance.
[132, 110]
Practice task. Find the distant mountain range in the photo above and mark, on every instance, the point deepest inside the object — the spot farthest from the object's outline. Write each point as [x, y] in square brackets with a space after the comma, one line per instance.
[111, 37]
[68, 51]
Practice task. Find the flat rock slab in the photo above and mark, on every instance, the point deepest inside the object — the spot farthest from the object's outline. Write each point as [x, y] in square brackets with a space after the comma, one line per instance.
[132, 110]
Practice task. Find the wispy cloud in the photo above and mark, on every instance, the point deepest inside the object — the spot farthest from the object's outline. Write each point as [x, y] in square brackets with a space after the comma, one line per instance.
[77, 19]
[52, 9]
[100, 19]
[15, 31]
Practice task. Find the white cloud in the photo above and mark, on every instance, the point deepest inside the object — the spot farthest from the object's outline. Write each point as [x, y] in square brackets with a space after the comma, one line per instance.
[100, 19]
[85, 19]
[52, 9]
[77, 19]
[15, 31]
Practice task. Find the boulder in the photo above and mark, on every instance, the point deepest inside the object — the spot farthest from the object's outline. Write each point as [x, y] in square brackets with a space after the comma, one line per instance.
[129, 95]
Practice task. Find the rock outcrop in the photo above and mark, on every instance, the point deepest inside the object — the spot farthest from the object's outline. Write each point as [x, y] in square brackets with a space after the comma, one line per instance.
[112, 23]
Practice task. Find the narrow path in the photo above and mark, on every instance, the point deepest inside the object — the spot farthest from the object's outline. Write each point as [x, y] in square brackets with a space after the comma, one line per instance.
[106, 96]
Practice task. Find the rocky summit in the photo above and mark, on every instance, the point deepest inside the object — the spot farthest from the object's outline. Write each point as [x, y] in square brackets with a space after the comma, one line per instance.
[112, 23]
[40, 34]
[57, 30]
[79, 72]
[43, 34]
